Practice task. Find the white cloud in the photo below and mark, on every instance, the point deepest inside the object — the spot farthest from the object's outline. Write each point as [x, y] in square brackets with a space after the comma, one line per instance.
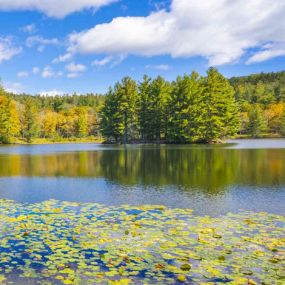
[53, 8]
[13, 87]
[219, 30]
[51, 93]
[159, 5]
[63, 58]
[163, 67]
[40, 42]
[103, 61]
[7, 50]
[75, 68]
[269, 51]
[73, 75]
[48, 72]
[22, 74]
[36, 70]
[112, 61]
[30, 29]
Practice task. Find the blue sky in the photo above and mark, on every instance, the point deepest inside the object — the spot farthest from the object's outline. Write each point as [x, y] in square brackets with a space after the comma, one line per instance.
[88, 45]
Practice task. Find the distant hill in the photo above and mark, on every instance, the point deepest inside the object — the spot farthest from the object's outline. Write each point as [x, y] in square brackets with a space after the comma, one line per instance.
[262, 88]
[271, 77]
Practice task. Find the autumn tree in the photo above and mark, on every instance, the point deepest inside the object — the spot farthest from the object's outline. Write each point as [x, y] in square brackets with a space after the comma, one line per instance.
[81, 125]
[274, 117]
[29, 120]
[49, 124]
[9, 119]
[282, 125]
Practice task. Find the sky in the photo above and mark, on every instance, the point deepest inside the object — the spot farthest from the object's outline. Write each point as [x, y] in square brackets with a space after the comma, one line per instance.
[66, 46]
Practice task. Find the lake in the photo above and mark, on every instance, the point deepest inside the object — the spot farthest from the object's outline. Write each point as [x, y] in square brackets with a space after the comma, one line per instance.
[210, 179]
[143, 214]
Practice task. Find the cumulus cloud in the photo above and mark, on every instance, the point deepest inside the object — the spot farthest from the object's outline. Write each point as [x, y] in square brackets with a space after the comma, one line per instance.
[30, 29]
[7, 49]
[103, 61]
[53, 8]
[73, 75]
[112, 61]
[267, 52]
[163, 67]
[75, 68]
[36, 70]
[48, 72]
[22, 74]
[219, 30]
[13, 87]
[63, 58]
[40, 42]
[51, 93]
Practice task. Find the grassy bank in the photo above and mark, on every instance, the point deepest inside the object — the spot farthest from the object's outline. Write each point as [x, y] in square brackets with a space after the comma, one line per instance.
[261, 136]
[71, 140]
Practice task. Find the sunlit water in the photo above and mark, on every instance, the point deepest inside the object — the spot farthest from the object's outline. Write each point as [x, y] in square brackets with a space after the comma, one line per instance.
[213, 180]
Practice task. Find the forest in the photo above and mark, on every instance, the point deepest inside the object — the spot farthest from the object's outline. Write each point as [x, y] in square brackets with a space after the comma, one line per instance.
[192, 108]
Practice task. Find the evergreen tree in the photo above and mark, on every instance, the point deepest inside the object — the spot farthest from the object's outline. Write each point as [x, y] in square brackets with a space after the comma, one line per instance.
[144, 110]
[110, 118]
[256, 124]
[158, 112]
[119, 114]
[220, 111]
[185, 109]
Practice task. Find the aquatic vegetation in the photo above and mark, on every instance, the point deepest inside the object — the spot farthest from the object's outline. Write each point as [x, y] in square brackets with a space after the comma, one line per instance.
[71, 243]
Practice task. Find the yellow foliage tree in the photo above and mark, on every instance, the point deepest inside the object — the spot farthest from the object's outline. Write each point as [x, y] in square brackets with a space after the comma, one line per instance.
[49, 124]
[274, 117]
[9, 119]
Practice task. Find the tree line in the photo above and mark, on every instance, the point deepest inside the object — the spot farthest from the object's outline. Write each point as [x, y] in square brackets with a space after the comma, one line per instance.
[192, 108]
[25, 117]
[261, 99]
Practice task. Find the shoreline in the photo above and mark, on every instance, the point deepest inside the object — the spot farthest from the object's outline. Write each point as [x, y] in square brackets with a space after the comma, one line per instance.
[101, 141]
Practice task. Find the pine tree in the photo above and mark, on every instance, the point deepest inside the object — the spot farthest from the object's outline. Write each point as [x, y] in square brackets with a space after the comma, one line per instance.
[220, 111]
[256, 124]
[109, 123]
[144, 112]
[160, 92]
[119, 120]
[185, 109]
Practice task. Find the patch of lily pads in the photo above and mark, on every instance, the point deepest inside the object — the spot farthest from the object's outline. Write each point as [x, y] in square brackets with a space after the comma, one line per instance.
[70, 243]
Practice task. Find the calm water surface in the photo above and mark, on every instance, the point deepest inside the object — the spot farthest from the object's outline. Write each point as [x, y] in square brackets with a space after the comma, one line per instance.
[213, 180]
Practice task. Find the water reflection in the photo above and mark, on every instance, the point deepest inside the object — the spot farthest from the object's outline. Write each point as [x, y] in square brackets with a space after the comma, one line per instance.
[212, 180]
[209, 169]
